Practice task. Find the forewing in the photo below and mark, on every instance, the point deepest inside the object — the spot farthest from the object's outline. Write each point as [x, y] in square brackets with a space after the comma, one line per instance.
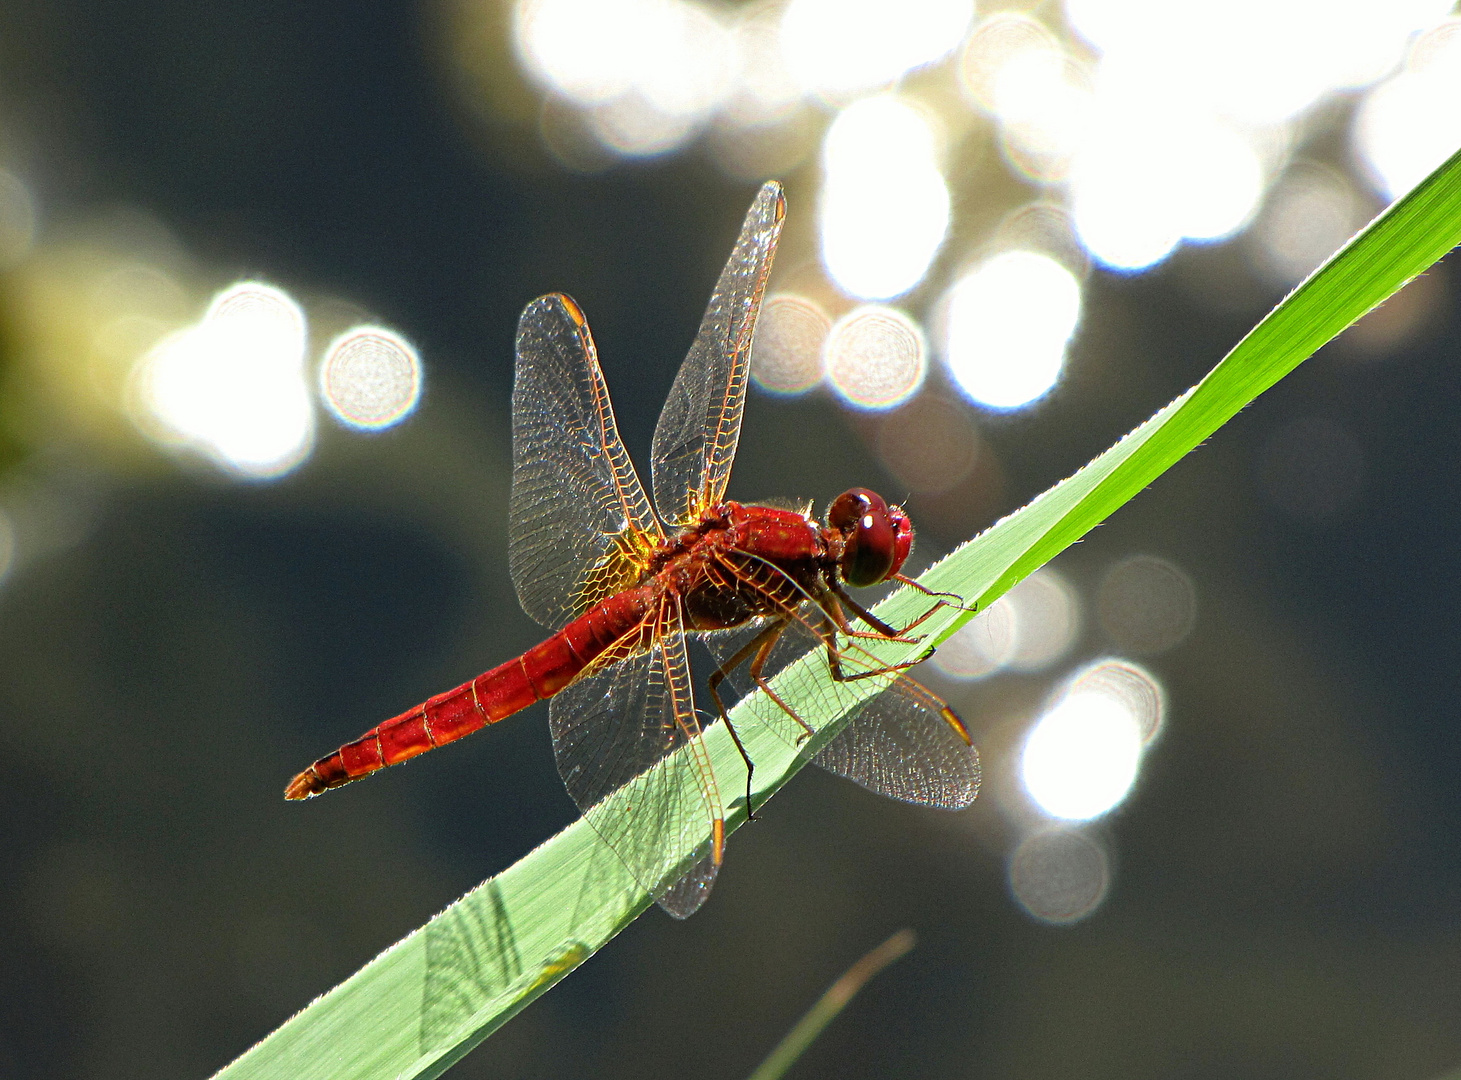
[695, 441]
[609, 728]
[580, 526]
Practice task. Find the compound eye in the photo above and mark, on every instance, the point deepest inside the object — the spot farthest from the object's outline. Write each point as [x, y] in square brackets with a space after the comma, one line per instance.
[852, 504]
[902, 538]
[870, 548]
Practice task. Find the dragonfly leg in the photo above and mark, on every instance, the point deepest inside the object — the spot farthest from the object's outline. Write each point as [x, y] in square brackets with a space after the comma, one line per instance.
[758, 665]
[883, 629]
[761, 642]
[957, 601]
[838, 675]
[834, 619]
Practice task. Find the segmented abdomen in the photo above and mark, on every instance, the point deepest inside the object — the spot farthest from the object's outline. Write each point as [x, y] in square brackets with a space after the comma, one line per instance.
[492, 696]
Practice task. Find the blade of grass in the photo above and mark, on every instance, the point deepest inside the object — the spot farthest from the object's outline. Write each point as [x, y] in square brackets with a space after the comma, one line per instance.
[425, 1002]
[830, 1004]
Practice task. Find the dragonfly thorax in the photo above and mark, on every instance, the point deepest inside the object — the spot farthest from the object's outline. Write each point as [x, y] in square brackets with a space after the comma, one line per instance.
[744, 562]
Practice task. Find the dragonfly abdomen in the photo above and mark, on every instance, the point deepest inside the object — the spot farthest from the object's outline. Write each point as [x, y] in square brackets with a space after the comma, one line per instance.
[494, 695]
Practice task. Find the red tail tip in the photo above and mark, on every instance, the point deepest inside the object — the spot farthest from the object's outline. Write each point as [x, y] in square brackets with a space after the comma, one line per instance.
[306, 785]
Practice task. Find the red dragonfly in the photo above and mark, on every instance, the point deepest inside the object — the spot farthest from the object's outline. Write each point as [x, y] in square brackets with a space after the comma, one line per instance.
[622, 588]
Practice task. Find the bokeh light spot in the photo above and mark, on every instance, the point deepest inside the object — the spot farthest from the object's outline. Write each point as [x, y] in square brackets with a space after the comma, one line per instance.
[884, 205]
[838, 47]
[1146, 604]
[1132, 686]
[650, 72]
[1047, 619]
[791, 334]
[1081, 758]
[1006, 328]
[765, 91]
[232, 386]
[1027, 629]
[1262, 61]
[929, 444]
[578, 47]
[875, 357]
[1217, 180]
[981, 646]
[1059, 876]
[1308, 215]
[1043, 227]
[632, 126]
[1041, 96]
[687, 65]
[1001, 39]
[1410, 124]
[1152, 172]
[1115, 195]
[370, 377]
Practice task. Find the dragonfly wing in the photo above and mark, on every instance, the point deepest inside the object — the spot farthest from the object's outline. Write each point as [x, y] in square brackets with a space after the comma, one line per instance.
[904, 743]
[685, 896]
[610, 727]
[695, 440]
[580, 526]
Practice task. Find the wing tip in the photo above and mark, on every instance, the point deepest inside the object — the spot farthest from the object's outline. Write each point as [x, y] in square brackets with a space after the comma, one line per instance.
[562, 300]
[685, 896]
[952, 719]
[772, 192]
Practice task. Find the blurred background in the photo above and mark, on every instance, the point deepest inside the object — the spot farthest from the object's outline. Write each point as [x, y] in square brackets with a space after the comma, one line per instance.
[261, 271]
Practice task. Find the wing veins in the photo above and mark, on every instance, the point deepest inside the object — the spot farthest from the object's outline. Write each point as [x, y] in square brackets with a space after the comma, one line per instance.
[695, 440]
[580, 522]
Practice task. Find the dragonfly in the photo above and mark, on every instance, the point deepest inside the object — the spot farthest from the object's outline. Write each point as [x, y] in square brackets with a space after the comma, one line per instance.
[624, 588]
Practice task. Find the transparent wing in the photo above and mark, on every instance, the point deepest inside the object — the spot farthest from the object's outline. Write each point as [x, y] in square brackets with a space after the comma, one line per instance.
[609, 727]
[695, 440]
[904, 742]
[580, 526]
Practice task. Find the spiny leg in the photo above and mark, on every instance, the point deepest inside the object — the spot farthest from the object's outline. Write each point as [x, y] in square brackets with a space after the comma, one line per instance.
[758, 665]
[832, 617]
[884, 630]
[831, 604]
[957, 601]
[835, 619]
[765, 639]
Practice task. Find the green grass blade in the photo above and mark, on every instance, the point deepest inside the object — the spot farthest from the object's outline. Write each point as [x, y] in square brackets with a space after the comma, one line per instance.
[425, 1002]
[830, 1004]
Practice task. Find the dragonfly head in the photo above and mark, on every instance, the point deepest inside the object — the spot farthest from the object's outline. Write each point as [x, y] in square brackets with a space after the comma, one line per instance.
[876, 537]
